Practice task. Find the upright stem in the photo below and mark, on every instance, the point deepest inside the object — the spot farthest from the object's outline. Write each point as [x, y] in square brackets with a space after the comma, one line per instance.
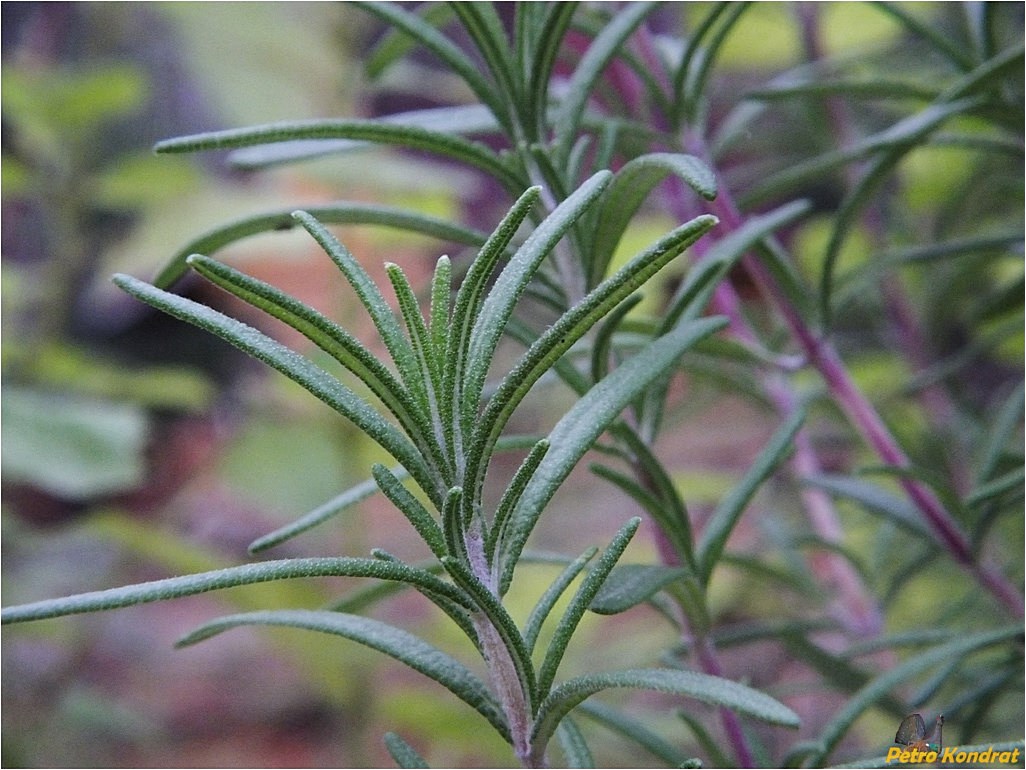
[710, 664]
[502, 671]
[861, 413]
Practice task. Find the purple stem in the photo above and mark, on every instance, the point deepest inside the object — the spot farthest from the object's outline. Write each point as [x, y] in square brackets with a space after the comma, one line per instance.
[822, 356]
[908, 334]
[706, 654]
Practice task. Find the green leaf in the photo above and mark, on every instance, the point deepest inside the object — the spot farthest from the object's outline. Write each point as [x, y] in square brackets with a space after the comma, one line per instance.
[395, 43]
[332, 214]
[484, 27]
[571, 326]
[954, 50]
[575, 748]
[694, 292]
[582, 599]
[671, 514]
[631, 584]
[551, 595]
[873, 499]
[582, 83]
[292, 365]
[329, 337]
[671, 519]
[690, 81]
[723, 520]
[425, 34]
[905, 134]
[881, 87]
[411, 508]
[451, 529]
[709, 689]
[603, 343]
[247, 574]
[446, 145]
[370, 296]
[629, 189]
[322, 513]
[712, 746]
[429, 367]
[403, 753]
[552, 29]
[510, 284]
[634, 730]
[441, 289]
[471, 294]
[1004, 425]
[394, 642]
[883, 684]
[514, 490]
[574, 434]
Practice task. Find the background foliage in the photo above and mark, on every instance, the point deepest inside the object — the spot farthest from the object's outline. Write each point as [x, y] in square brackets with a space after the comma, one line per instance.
[134, 448]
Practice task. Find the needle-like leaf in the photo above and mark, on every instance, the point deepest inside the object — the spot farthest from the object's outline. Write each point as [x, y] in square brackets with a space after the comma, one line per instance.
[575, 433]
[292, 365]
[394, 642]
[202, 582]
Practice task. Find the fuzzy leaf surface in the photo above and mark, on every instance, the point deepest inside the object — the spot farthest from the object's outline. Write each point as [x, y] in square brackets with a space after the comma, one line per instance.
[394, 642]
[631, 584]
[545, 352]
[628, 191]
[509, 286]
[261, 572]
[411, 137]
[723, 520]
[343, 213]
[321, 513]
[575, 433]
[292, 365]
[403, 753]
[709, 689]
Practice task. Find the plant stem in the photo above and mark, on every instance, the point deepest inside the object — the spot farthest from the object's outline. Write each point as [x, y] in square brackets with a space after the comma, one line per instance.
[861, 413]
[502, 670]
[710, 664]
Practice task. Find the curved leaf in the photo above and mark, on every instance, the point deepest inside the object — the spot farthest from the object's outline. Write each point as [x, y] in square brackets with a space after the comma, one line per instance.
[709, 689]
[723, 520]
[461, 120]
[571, 326]
[292, 365]
[469, 297]
[551, 595]
[392, 641]
[403, 753]
[637, 731]
[322, 513]
[412, 137]
[575, 748]
[601, 51]
[883, 684]
[329, 337]
[332, 214]
[509, 286]
[629, 189]
[426, 34]
[202, 582]
[631, 584]
[574, 434]
[580, 602]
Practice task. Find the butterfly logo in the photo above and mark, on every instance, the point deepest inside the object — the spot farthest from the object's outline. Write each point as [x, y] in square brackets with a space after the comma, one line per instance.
[912, 733]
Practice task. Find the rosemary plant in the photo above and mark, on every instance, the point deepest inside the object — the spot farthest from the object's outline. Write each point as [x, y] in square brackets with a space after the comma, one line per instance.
[592, 114]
